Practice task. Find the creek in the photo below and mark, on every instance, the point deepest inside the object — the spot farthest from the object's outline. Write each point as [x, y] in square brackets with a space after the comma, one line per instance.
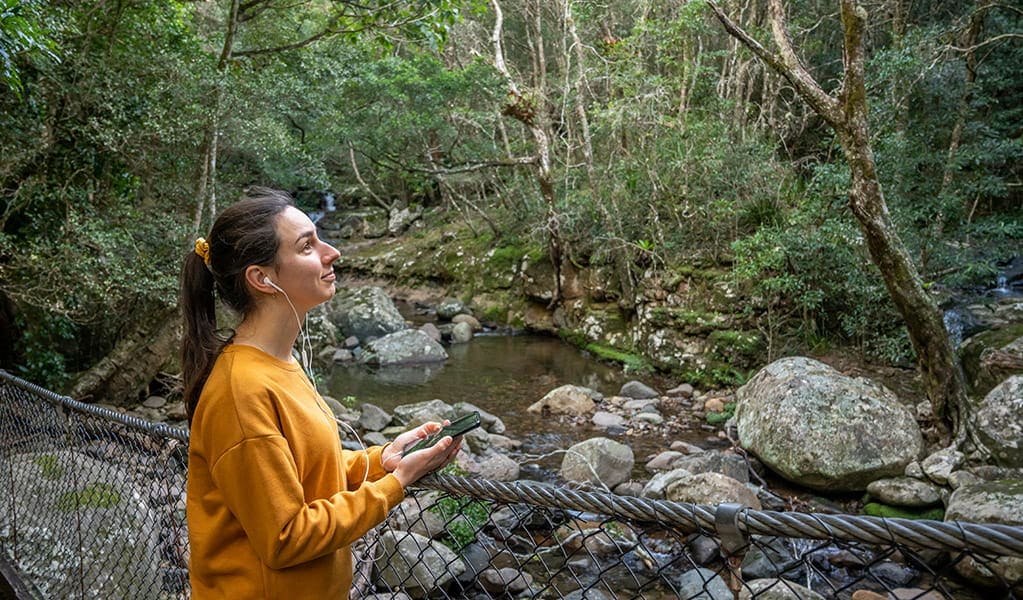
[504, 374]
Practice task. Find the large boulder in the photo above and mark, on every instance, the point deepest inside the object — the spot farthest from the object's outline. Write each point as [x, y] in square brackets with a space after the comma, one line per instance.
[415, 564]
[824, 430]
[990, 356]
[995, 502]
[365, 313]
[998, 420]
[712, 489]
[74, 521]
[598, 460]
[567, 400]
[408, 347]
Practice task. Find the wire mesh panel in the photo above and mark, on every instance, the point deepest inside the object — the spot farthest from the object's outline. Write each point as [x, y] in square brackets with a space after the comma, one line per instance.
[447, 545]
[93, 507]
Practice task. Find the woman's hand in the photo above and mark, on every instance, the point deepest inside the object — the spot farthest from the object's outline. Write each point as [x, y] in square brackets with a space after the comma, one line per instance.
[409, 469]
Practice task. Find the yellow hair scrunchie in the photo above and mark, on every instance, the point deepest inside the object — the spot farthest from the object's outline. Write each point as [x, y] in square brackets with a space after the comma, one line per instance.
[202, 248]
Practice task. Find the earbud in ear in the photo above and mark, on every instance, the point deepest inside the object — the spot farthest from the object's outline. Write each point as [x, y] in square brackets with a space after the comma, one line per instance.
[267, 281]
[270, 283]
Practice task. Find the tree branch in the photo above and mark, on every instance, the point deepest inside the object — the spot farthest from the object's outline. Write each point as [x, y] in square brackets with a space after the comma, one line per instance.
[470, 167]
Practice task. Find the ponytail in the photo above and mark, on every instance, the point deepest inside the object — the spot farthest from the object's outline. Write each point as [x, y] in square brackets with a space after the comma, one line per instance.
[244, 234]
[200, 343]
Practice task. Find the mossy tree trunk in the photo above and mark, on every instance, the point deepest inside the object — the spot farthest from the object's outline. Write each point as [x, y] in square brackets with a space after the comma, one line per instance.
[846, 112]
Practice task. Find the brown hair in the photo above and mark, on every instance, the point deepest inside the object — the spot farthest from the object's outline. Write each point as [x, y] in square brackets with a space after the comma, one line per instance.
[244, 234]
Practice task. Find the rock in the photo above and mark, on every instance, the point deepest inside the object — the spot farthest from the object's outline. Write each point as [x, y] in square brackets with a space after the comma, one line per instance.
[991, 356]
[654, 488]
[75, 520]
[154, 402]
[490, 422]
[663, 461]
[904, 491]
[598, 460]
[431, 330]
[638, 391]
[958, 479]
[461, 333]
[411, 415]
[407, 347]
[649, 418]
[566, 400]
[373, 418]
[503, 442]
[449, 307]
[341, 355]
[364, 313]
[629, 488]
[770, 557]
[777, 589]
[868, 595]
[604, 419]
[686, 447]
[821, 429]
[469, 320]
[415, 564]
[996, 502]
[641, 405]
[417, 514]
[711, 488]
[399, 220]
[704, 549]
[715, 461]
[682, 391]
[702, 584]
[914, 470]
[939, 465]
[506, 580]
[999, 422]
[714, 405]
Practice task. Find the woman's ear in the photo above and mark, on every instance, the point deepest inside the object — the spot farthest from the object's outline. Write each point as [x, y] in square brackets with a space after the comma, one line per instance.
[258, 280]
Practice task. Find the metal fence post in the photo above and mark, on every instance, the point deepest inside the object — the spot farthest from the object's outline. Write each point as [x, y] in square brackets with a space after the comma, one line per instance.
[733, 542]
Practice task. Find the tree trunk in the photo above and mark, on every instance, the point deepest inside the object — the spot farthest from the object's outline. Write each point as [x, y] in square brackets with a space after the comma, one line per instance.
[134, 362]
[847, 114]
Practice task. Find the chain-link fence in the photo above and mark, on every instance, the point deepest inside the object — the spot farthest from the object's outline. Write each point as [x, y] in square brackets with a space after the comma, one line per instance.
[93, 506]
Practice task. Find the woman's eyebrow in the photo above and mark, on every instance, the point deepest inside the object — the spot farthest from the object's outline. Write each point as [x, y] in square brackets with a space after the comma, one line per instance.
[303, 235]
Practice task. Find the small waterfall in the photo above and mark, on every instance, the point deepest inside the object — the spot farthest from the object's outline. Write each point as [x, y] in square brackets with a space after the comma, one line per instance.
[955, 324]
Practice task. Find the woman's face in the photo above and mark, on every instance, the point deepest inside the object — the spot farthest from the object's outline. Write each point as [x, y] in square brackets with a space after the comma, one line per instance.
[304, 261]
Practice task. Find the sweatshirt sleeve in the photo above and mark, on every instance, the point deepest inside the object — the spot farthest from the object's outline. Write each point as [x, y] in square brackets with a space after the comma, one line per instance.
[355, 465]
[259, 480]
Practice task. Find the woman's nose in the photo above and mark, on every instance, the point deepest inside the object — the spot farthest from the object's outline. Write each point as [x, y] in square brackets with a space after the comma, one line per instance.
[331, 254]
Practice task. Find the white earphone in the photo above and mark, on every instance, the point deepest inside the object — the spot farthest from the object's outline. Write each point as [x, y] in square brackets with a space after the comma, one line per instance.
[270, 283]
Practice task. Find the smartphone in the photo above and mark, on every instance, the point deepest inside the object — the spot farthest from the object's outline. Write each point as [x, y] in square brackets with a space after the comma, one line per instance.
[459, 426]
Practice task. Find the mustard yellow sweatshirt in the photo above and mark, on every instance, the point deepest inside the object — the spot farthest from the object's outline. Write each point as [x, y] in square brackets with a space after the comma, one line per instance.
[273, 501]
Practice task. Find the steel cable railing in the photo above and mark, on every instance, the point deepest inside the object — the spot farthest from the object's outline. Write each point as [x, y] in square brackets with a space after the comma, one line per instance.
[94, 507]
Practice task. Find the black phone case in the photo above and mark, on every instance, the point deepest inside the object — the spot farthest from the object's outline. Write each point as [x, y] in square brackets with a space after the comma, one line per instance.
[458, 427]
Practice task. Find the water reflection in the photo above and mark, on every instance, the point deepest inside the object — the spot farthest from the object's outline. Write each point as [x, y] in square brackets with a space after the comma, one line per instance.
[500, 374]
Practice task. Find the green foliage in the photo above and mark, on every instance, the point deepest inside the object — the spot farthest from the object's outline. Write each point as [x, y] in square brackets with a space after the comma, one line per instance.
[876, 509]
[714, 418]
[24, 35]
[50, 466]
[99, 495]
[463, 516]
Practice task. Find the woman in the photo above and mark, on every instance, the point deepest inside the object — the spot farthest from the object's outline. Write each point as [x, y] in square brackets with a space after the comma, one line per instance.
[273, 501]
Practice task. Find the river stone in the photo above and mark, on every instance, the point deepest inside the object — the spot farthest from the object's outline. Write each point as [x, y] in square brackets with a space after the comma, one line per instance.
[999, 422]
[777, 589]
[712, 489]
[702, 584]
[373, 418]
[993, 502]
[650, 418]
[399, 220]
[431, 330]
[470, 320]
[415, 564]
[498, 467]
[365, 313]
[604, 419]
[663, 461]
[769, 557]
[488, 421]
[715, 461]
[506, 580]
[408, 347]
[641, 405]
[904, 491]
[824, 430]
[417, 514]
[638, 391]
[684, 390]
[598, 460]
[566, 400]
[654, 489]
[449, 307]
[410, 415]
[461, 333]
[939, 465]
[77, 519]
